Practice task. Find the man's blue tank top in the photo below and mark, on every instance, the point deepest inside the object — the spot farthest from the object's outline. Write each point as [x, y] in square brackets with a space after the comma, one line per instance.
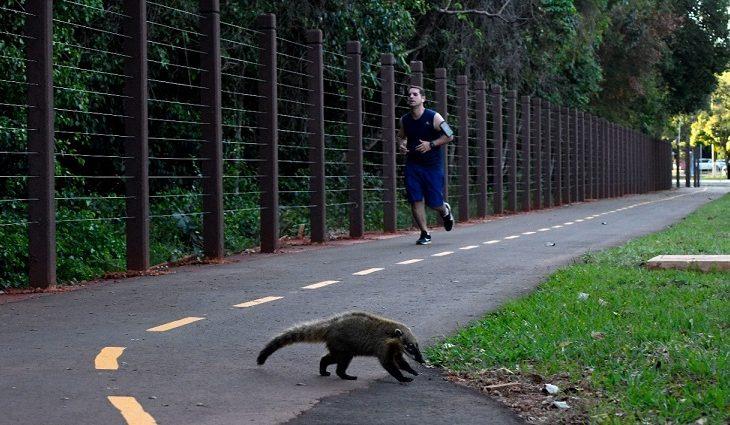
[422, 129]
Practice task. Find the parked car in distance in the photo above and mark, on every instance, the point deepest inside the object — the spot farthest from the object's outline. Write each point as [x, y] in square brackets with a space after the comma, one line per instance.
[721, 166]
[705, 164]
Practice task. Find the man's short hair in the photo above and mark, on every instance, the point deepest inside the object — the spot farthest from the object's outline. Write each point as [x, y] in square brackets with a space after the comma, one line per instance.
[419, 88]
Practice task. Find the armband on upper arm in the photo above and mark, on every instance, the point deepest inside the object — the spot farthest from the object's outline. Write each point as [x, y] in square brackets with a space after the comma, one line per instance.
[446, 130]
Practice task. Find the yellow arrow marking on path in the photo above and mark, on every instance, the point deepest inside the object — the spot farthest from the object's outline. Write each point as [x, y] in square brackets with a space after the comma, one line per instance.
[107, 358]
[131, 410]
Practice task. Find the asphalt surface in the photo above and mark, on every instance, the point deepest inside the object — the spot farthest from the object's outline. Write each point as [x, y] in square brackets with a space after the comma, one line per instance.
[205, 372]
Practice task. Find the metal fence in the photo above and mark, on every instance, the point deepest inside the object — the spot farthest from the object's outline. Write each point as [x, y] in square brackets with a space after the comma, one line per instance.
[271, 128]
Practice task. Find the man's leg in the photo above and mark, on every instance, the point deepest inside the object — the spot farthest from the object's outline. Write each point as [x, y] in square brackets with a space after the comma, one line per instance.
[418, 209]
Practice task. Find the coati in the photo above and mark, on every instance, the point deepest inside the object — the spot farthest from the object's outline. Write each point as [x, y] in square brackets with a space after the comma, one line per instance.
[354, 334]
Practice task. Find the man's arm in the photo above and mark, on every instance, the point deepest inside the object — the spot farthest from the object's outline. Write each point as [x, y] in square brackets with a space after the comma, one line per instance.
[443, 139]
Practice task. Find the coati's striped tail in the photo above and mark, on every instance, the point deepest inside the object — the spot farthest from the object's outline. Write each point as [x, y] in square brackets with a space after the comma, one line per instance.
[308, 332]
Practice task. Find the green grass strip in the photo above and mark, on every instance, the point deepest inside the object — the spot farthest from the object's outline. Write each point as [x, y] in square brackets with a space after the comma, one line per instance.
[652, 344]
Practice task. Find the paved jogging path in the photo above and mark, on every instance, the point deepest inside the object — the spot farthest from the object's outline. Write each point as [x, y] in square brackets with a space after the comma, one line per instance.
[181, 348]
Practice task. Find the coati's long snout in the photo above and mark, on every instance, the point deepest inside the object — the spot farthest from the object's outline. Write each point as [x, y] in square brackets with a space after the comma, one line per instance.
[354, 334]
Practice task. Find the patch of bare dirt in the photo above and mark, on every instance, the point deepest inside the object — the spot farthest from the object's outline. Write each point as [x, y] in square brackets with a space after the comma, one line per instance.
[528, 396]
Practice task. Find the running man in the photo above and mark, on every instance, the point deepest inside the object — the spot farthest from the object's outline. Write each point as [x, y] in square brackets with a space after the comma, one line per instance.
[422, 136]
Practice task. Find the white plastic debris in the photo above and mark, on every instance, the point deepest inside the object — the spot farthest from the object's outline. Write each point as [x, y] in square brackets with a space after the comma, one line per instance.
[549, 243]
[551, 389]
[449, 345]
[561, 405]
[582, 296]
[602, 302]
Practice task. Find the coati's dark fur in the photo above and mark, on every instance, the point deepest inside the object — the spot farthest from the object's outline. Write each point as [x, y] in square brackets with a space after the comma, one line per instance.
[354, 334]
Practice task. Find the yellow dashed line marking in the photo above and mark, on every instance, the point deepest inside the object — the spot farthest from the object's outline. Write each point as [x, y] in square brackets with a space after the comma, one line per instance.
[491, 242]
[107, 358]
[415, 260]
[512, 237]
[528, 233]
[131, 410]
[368, 271]
[320, 284]
[441, 254]
[175, 324]
[544, 229]
[257, 302]
[469, 247]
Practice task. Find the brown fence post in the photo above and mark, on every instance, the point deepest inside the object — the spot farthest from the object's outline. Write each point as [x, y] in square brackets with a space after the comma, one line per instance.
[462, 94]
[567, 156]
[589, 177]
[387, 82]
[497, 160]
[481, 117]
[548, 128]
[135, 128]
[41, 184]
[354, 131]
[604, 157]
[537, 135]
[212, 149]
[579, 160]
[442, 108]
[417, 73]
[512, 152]
[559, 154]
[526, 140]
[315, 128]
[268, 121]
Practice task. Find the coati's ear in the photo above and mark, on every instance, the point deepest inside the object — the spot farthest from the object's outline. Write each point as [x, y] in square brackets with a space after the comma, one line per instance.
[398, 332]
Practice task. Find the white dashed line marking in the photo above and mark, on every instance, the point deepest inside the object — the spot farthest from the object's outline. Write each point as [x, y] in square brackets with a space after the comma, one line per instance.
[415, 260]
[320, 284]
[568, 223]
[490, 242]
[175, 324]
[580, 220]
[544, 229]
[368, 271]
[557, 226]
[469, 247]
[512, 237]
[528, 233]
[257, 302]
[441, 254]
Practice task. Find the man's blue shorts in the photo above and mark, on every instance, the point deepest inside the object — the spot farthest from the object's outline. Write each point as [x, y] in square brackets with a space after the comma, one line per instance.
[425, 182]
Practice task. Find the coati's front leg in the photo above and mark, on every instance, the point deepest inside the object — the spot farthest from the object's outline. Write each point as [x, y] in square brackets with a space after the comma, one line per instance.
[403, 364]
[342, 363]
[392, 368]
[390, 361]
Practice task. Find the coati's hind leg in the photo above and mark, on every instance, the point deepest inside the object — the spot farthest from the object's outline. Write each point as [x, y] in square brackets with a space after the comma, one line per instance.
[403, 364]
[327, 360]
[342, 363]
